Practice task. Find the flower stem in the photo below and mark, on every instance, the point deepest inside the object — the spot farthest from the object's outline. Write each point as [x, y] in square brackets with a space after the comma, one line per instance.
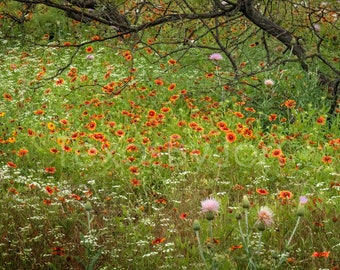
[210, 230]
[296, 225]
[283, 256]
[247, 227]
[199, 246]
[259, 243]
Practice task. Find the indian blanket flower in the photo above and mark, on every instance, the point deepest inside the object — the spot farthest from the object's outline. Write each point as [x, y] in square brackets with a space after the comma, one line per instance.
[326, 159]
[262, 191]
[216, 57]
[285, 195]
[210, 205]
[324, 254]
[265, 216]
[290, 103]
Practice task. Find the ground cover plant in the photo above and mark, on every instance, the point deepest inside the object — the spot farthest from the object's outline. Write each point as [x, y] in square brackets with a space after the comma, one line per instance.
[131, 157]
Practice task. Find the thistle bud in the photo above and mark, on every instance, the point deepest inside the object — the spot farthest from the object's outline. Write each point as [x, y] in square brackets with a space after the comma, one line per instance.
[261, 227]
[238, 216]
[88, 206]
[300, 210]
[245, 202]
[209, 215]
[196, 226]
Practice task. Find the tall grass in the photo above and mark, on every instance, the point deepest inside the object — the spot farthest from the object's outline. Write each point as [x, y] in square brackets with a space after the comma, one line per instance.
[105, 165]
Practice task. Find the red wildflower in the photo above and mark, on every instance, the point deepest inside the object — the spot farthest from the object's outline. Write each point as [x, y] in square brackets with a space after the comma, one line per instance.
[327, 159]
[232, 248]
[49, 190]
[89, 49]
[158, 241]
[134, 170]
[59, 251]
[120, 133]
[324, 254]
[183, 216]
[172, 62]
[22, 152]
[262, 191]
[92, 152]
[50, 170]
[285, 194]
[7, 97]
[231, 137]
[276, 153]
[290, 103]
[159, 82]
[135, 182]
[11, 164]
[272, 117]
[172, 86]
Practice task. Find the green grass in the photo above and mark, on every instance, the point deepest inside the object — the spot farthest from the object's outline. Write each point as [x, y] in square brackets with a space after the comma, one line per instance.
[132, 204]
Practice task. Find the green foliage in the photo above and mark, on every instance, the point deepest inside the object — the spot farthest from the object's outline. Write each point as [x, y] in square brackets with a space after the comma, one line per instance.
[143, 140]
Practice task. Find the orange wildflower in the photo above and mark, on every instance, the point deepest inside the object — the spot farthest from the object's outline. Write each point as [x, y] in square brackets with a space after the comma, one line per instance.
[22, 152]
[321, 120]
[152, 113]
[134, 170]
[183, 215]
[172, 62]
[262, 191]
[135, 182]
[276, 153]
[249, 109]
[92, 152]
[159, 82]
[165, 109]
[232, 248]
[290, 103]
[11, 164]
[285, 195]
[51, 126]
[59, 81]
[54, 150]
[238, 114]
[327, 159]
[324, 254]
[66, 148]
[89, 49]
[158, 241]
[231, 137]
[172, 86]
[195, 152]
[91, 126]
[174, 98]
[49, 190]
[59, 251]
[50, 170]
[181, 123]
[95, 38]
[272, 117]
[7, 97]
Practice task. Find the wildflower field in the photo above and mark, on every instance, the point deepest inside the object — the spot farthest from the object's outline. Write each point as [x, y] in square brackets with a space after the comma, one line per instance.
[117, 156]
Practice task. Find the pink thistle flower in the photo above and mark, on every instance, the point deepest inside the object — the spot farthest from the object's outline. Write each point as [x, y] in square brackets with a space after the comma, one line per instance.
[216, 57]
[303, 199]
[90, 57]
[210, 205]
[265, 216]
[269, 82]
